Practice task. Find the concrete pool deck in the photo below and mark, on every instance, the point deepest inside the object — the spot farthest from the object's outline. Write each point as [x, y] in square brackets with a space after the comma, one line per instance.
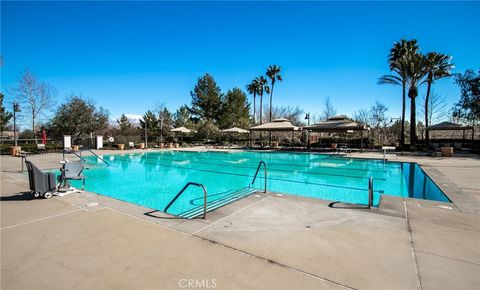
[267, 241]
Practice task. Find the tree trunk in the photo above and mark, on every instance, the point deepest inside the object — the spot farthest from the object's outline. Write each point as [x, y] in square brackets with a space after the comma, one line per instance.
[270, 117]
[427, 134]
[261, 120]
[33, 129]
[254, 109]
[402, 125]
[271, 96]
[413, 121]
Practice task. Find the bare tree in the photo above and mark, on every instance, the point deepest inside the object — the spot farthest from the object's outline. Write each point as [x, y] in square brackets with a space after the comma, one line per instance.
[378, 117]
[437, 109]
[293, 114]
[362, 116]
[328, 109]
[36, 97]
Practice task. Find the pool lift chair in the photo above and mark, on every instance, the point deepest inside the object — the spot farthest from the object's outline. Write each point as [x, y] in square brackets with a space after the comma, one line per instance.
[71, 170]
[41, 184]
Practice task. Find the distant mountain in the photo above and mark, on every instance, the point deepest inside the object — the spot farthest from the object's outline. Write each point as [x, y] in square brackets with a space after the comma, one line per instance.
[133, 118]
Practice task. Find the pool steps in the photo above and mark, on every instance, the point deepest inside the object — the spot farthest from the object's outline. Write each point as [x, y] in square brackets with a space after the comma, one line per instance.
[214, 204]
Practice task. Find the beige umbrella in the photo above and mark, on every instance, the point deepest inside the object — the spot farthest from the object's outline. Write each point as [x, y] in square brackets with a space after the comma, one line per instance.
[235, 130]
[183, 130]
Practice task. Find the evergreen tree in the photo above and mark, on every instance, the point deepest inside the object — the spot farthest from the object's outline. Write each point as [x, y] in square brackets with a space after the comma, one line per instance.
[78, 117]
[5, 116]
[183, 117]
[206, 99]
[235, 110]
[151, 120]
[124, 123]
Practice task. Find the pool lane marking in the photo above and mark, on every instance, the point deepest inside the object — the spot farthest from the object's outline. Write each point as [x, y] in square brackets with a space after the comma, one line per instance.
[273, 163]
[245, 175]
[412, 248]
[40, 219]
[237, 211]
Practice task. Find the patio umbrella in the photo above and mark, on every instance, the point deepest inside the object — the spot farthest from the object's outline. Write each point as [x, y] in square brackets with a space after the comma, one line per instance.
[44, 136]
[182, 130]
[236, 130]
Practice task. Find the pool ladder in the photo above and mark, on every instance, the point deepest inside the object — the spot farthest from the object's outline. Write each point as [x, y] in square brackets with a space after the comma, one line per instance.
[185, 188]
[265, 175]
[370, 195]
[209, 206]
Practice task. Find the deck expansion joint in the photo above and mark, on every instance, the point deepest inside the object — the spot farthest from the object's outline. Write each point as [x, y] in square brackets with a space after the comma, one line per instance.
[412, 247]
[270, 261]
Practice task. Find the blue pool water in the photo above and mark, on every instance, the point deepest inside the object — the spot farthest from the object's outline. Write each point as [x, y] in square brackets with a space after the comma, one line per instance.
[152, 179]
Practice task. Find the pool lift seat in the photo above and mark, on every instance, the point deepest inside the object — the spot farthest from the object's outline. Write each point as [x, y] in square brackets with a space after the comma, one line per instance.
[71, 170]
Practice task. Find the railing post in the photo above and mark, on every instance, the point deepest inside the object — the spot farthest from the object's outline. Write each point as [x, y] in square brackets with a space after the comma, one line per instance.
[256, 173]
[370, 192]
[183, 189]
[265, 174]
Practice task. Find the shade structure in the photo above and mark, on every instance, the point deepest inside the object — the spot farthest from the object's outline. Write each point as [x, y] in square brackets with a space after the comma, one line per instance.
[444, 126]
[236, 130]
[183, 130]
[337, 124]
[449, 126]
[276, 125]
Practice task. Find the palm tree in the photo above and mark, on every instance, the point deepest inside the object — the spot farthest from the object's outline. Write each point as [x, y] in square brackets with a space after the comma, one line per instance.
[262, 88]
[438, 67]
[273, 73]
[252, 89]
[416, 70]
[398, 66]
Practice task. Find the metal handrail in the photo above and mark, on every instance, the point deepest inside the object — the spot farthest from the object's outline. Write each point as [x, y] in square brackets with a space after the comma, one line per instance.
[183, 189]
[370, 192]
[265, 173]
[71, 151]
[98, 157]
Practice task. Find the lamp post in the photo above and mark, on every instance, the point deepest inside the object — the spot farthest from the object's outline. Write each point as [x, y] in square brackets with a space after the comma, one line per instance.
[16, 108]
[307, 117]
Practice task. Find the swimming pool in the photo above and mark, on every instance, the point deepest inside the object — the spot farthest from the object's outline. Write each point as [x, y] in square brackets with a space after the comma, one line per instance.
[152, 179]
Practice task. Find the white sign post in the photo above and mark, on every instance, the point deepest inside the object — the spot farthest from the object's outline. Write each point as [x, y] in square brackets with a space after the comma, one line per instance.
[67, 142]
[99, 144]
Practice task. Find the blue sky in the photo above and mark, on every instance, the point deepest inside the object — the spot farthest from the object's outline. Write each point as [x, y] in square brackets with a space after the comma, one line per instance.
[128, 55]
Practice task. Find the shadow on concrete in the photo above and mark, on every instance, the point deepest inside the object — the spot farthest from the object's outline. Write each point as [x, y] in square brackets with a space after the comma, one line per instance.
[342, 205]
[18, 197]
[150, 214]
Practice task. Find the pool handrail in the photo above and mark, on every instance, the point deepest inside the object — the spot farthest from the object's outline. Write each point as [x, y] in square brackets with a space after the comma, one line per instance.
[91, 151]
[265, 175]
[370, 197]
[183, 189]
[370, 192]
[74, 153]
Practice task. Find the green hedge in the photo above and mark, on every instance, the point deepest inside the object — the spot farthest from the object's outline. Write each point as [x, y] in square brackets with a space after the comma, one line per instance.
[6, 148]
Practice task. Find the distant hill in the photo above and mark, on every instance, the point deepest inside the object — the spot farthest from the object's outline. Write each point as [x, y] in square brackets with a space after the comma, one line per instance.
[133, 118]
